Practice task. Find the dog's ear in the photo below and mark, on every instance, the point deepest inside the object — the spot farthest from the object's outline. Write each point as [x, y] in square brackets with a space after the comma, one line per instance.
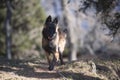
[49, 19]
[55, 20]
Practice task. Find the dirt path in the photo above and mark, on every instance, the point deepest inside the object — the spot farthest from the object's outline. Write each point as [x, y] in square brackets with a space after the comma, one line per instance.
[78, 70]
[26, 70]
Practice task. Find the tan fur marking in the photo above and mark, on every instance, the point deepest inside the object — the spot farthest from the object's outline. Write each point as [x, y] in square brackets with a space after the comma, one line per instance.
[56, 56]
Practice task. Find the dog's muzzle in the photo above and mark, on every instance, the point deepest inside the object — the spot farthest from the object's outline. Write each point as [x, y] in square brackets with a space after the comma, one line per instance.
[52, 38]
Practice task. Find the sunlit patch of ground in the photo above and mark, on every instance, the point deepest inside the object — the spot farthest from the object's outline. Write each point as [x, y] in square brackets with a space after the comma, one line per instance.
[91, 70]
[77, 70]
[26, 70]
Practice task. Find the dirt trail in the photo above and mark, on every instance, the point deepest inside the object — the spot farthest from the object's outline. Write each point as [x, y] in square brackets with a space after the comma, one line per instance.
[26, 70]
[78, 70]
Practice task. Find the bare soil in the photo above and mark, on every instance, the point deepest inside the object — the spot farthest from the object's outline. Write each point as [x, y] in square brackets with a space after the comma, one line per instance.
[77, 70]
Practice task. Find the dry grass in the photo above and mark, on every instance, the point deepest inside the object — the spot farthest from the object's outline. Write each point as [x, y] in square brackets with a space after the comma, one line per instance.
[77, 70]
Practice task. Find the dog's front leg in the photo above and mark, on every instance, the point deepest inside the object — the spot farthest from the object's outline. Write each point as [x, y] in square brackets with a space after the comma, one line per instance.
[55, 59]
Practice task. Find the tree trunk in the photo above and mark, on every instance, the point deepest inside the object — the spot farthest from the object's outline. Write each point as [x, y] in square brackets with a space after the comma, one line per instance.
[8, 29]
[72, 47]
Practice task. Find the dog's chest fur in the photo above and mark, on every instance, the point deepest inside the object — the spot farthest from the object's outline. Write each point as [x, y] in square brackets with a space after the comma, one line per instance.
[50, 46]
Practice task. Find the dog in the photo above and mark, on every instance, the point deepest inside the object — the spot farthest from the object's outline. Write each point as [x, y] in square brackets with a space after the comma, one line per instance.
[53, 41]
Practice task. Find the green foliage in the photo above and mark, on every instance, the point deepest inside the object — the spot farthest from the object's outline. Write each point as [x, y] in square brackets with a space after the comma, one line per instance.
[27, 16]
[2, 34]
[27, 20]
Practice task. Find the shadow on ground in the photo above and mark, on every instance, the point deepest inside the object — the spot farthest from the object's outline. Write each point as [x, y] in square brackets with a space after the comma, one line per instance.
[33, 69]
[79, 76]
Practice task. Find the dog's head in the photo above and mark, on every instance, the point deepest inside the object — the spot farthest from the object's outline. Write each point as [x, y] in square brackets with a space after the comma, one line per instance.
[50, 30]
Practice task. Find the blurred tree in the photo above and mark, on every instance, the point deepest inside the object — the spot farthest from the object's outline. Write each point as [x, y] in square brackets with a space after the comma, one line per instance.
[66, 21]
[2, 29]
[8, 28]
[109, 11]
[27, 19]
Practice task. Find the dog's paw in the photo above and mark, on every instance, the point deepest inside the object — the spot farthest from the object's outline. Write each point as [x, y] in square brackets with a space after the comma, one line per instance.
[51, 68]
